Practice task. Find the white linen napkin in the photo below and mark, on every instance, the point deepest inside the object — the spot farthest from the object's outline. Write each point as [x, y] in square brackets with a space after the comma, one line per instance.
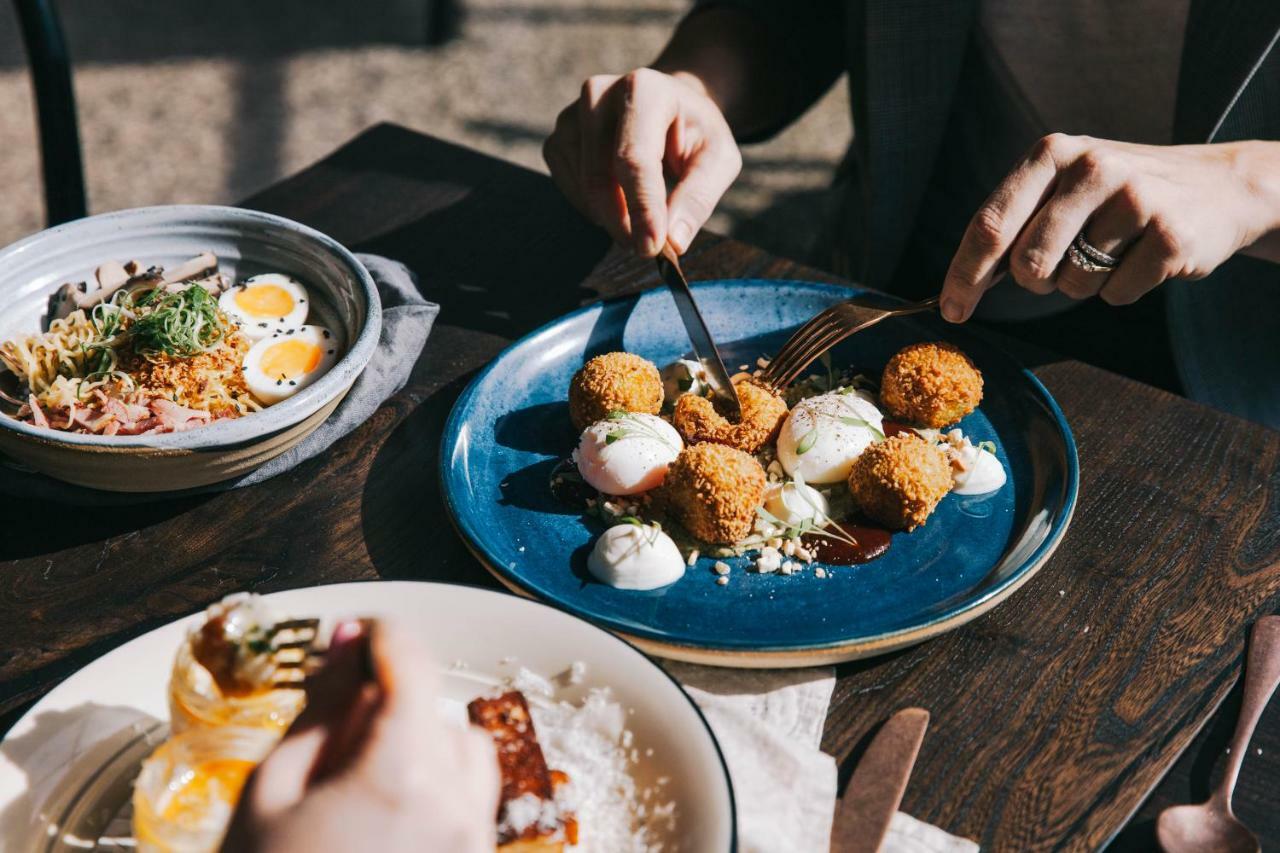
[769, 725]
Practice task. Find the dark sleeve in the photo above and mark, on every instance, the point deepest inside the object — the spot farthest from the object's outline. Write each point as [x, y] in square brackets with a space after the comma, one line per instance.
[810, 40]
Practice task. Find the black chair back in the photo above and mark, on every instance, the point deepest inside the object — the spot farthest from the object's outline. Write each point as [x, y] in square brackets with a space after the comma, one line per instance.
[55, 109]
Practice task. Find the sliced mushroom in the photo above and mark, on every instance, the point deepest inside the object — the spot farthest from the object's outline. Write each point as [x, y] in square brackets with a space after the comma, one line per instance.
[214, 284]
[113, 274]
[64, 300]
[202, 265]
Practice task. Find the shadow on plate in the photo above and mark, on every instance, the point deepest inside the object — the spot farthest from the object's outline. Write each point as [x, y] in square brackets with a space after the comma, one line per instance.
[544, 428]
[79, 766]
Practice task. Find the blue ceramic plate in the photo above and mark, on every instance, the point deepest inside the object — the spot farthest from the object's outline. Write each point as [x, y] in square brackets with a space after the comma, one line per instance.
[511, 426]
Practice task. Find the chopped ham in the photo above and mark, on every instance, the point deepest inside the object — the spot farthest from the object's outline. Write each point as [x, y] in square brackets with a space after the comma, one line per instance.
[176, 418]
[107, 415]
[37, 414]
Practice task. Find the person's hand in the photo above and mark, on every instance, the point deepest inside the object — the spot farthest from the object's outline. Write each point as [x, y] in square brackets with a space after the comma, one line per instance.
[612, 149]
[369, 765]
[1164, 211]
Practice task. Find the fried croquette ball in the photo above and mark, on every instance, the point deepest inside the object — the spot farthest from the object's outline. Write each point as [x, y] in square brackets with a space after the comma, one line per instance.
[714, 490]
[930, 385]
[900, 480]
[763, 412]
[615, 381]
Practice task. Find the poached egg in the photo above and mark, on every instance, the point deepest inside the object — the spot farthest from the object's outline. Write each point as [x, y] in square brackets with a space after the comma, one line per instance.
[823, 435]
[627, 453]
[794, 503]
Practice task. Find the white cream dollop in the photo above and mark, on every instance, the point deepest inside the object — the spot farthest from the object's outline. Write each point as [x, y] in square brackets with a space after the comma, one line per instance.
[823, 435]
[634, 556]
[627, 454]
[684, 376]
[794, 503]
[980, 471]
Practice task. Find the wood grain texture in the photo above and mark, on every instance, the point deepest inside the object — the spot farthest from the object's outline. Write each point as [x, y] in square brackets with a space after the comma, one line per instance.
[1053, 717]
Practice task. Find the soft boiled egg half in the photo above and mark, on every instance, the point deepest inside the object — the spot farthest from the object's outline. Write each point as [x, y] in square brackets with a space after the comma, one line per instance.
[823, 435]
[265, 304]
[283, 364]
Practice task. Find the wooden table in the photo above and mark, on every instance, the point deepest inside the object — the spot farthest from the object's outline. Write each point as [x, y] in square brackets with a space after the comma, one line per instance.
[1054, 717]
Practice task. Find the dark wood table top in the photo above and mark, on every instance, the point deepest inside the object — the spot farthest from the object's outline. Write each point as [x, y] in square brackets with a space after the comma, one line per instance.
[1055, 716]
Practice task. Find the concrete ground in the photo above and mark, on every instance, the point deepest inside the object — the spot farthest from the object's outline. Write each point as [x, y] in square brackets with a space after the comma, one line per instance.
[180, 104]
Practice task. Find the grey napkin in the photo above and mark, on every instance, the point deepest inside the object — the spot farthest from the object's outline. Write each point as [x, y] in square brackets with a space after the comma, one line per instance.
[406, 322]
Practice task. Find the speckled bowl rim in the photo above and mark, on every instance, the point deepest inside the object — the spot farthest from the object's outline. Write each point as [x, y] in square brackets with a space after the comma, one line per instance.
[227, 432]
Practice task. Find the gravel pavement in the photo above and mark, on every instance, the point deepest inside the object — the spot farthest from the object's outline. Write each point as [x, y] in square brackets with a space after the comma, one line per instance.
[179, 106]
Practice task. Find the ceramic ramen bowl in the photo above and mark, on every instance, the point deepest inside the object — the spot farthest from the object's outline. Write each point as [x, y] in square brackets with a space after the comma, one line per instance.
[247, 243]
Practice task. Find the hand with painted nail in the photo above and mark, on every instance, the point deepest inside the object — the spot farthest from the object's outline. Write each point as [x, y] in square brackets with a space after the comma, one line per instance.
[369, 765]
[613, 150]
[1144, 214]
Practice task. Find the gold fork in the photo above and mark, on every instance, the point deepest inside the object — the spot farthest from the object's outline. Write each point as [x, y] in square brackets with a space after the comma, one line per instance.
[294, 651]
[827, 329]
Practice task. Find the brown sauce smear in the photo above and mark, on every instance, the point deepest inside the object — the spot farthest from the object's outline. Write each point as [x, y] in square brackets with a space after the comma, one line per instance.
[872, 542]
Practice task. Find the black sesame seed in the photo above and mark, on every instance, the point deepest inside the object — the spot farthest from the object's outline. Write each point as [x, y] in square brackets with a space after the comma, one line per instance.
[326, 333]
[262, 325]
[330, 352]
[279, 381]
[281, 319]
[291, 382]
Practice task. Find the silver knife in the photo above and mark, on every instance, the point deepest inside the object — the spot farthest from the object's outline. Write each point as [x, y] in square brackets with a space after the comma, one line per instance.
[875, 790]
[704, 348]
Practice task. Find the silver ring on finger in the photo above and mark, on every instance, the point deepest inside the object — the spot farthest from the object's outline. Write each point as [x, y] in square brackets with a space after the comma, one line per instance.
[1083, 262]
[1091, 252]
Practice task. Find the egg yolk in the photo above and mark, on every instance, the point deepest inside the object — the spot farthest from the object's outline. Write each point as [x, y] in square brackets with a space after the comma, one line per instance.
[290, 358]
[219, 779]
[264, 300]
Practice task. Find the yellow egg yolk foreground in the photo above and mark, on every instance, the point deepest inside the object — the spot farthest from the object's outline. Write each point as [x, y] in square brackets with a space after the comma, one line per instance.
[290, 358]
[219, 779]
[264, 300]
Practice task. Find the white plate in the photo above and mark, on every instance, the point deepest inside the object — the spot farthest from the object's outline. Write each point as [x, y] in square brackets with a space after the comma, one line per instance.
[76, 749]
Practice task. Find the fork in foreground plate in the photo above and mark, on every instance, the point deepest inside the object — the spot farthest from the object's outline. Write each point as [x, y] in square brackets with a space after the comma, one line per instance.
[294, 651]
[827, 329]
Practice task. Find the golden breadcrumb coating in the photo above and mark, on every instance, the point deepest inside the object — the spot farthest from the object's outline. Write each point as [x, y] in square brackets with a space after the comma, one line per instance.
[930, 385]
[612, 382]
[714, 490]
[763, 412]
[900, 480]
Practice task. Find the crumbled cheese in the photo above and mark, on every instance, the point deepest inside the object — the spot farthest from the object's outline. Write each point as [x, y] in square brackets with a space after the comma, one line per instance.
[722, 581]
[720, 568]
[787, 568]
[768, 561]
[527, 681]
[693, 557]
[528, 810]
[590, 744]
[819, 572]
